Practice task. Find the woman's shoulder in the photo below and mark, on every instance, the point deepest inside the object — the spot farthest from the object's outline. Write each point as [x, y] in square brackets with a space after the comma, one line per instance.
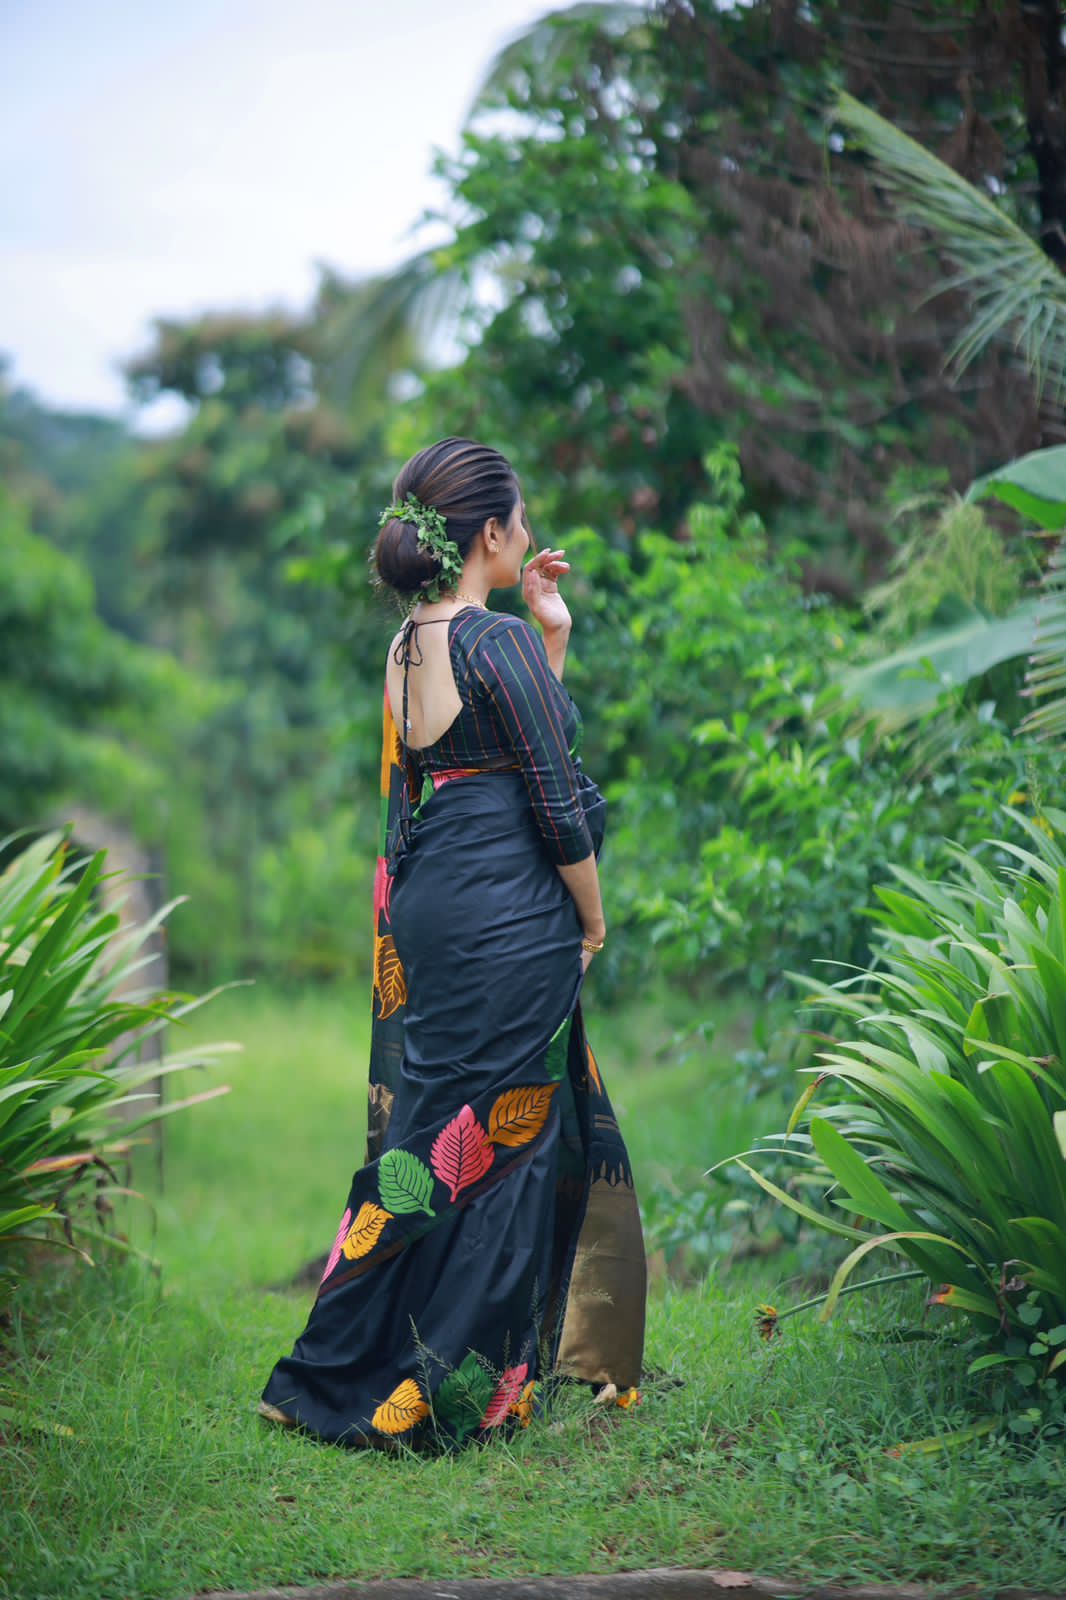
[481, 631]
[480, 627]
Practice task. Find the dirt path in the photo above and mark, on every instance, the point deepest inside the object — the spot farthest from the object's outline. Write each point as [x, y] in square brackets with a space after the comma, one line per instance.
[660, 1583]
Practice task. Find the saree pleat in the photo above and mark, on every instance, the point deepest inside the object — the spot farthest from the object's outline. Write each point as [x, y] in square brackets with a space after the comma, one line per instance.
[492, 1236]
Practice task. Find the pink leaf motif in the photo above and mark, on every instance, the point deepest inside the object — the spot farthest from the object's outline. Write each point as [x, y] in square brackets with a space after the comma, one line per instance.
[382, 889]
[507, 1392]
[335, 1253]
[461, 1152]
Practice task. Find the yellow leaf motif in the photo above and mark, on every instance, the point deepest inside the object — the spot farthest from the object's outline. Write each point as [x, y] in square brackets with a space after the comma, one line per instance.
[518, 1116]
[389, 980]
[404, 1407]
[391, 750]
[523, 1406]
[365, 1231]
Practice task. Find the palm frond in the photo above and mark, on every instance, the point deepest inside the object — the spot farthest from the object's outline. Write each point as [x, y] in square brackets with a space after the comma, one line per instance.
[1046, 678]
[542, 46]
[1017, 292]
[370, 330]
[401, 321]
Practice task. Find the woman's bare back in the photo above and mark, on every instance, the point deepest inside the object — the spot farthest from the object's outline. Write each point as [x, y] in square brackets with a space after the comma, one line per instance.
[433, 701]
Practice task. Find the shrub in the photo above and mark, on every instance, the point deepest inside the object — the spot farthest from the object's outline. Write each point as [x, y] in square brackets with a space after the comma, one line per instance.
[67, 1043]
[946, 1138]
[754, 805]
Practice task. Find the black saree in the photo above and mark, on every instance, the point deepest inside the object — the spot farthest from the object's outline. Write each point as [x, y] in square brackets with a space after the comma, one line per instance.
[492, 1236]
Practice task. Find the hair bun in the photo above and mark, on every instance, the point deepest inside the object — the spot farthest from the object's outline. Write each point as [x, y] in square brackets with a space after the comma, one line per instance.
[402, 563]
[457, 486]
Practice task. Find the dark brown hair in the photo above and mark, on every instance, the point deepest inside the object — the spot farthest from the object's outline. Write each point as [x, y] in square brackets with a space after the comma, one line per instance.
[467, 483]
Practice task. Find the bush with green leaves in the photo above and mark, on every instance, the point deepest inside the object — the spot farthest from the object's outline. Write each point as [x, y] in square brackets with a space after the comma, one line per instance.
[81, 705]
[72, 1090]
[754, 803]
[940, 1128]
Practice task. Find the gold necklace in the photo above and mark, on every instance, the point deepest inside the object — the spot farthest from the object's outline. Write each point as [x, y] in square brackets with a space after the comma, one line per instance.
[469, 598]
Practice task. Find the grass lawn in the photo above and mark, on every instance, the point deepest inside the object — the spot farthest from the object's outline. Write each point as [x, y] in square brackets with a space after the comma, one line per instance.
[774, 1457]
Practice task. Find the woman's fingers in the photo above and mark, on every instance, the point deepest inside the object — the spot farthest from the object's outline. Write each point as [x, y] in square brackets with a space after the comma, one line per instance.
[549, 562]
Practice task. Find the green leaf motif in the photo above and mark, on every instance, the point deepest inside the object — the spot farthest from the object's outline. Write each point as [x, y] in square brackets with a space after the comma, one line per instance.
[405, 1183]
[459, 1404]
[558, 1050]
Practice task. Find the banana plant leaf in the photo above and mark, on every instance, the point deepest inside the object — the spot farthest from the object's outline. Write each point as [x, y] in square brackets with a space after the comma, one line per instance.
[1035, 485]
[900, 685]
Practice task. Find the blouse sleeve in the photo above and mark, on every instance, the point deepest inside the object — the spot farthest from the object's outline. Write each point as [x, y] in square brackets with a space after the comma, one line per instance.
[512, 668]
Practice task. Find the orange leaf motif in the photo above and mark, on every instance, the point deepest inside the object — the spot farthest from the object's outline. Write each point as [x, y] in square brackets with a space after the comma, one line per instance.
[522, 1408]
[365, 1231]
[594, 1072]
[391, 752]
[518, 1116]
[404, 1407]
[389, 981]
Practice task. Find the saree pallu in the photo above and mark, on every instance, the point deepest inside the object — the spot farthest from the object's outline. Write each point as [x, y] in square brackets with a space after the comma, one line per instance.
[492, 1237]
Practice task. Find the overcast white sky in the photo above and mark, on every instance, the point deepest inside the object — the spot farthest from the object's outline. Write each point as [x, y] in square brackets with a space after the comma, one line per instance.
[161, 159]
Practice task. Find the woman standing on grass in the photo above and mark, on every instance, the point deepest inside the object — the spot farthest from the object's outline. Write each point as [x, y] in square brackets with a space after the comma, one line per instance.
[493, 1237]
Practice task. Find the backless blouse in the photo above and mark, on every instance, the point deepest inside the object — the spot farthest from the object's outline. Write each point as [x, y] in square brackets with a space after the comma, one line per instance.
[515, 716]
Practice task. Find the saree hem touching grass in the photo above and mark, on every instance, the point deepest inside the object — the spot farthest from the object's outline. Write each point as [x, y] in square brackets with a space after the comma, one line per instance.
[492, 1237]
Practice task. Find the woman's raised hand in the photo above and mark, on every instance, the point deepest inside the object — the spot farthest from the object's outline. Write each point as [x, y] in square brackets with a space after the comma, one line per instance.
[540, 588]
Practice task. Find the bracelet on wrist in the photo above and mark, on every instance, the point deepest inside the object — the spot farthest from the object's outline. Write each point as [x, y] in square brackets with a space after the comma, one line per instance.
[592, 945]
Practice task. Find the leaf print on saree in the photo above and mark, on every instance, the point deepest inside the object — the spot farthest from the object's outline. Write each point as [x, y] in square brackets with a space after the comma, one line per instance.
[389, 980]
[594, 1071]
[365, 1231]
[460, 1401]
[404, 1407]
[523, 1406]
[391, 748]
[405, 1183]
[461, 1152]
[382, 892]
[519, 1114]
[558, 1050]
[507, 1394]
[338, 1243]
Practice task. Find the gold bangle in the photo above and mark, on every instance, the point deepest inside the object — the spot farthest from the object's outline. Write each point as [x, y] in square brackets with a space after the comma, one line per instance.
[591, 946]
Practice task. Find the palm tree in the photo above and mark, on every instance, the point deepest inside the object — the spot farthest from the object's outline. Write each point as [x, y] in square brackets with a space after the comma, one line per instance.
[1018, 295]
[399, 321]
[1016, 290]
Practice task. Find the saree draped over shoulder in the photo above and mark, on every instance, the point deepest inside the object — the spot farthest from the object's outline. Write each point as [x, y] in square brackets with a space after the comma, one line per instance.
[492, 1236]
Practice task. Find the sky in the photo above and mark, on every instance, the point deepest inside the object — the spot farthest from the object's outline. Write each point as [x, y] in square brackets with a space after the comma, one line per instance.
[162, 160]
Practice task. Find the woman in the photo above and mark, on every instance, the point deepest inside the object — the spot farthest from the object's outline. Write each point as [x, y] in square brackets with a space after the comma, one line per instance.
[492, 1237]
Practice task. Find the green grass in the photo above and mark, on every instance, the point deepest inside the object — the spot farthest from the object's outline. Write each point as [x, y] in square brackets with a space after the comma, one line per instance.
[773, 1457]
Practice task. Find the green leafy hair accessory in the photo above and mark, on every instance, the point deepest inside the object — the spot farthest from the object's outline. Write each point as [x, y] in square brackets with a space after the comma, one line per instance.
[432, 535]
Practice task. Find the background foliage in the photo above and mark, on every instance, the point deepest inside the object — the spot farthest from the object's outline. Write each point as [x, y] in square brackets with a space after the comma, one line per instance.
[765, 301]
[660, 249]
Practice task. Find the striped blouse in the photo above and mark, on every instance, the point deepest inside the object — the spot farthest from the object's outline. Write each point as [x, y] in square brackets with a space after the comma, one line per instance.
[515, 715]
